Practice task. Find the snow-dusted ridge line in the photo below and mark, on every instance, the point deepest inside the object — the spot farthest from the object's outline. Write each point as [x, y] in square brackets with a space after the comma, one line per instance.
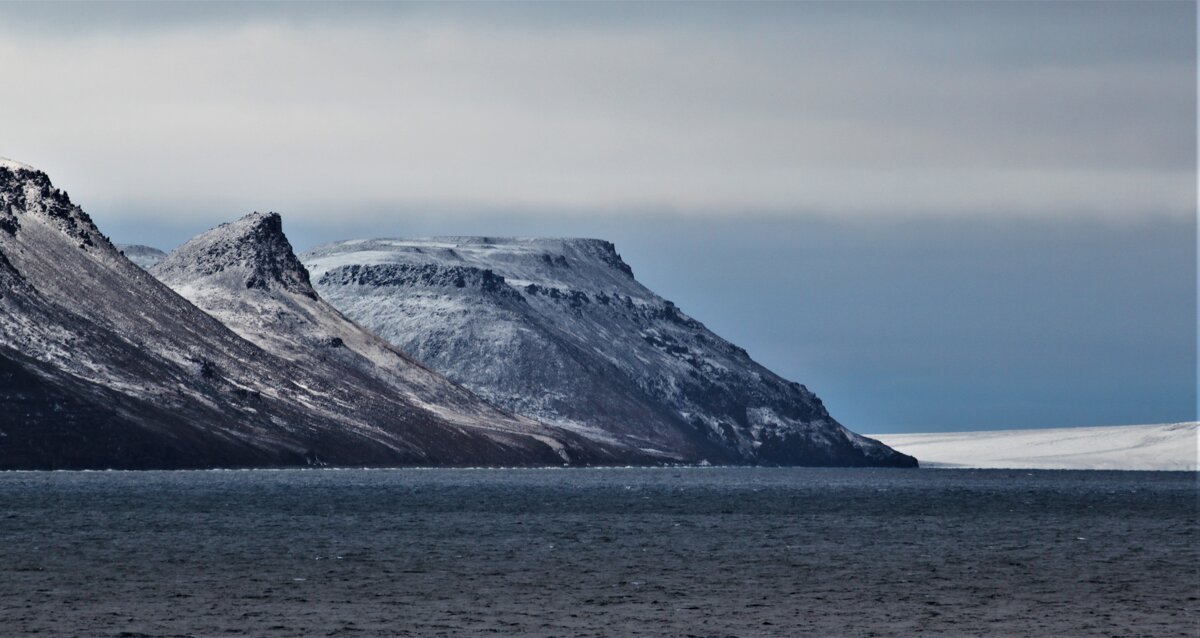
[1166, 446]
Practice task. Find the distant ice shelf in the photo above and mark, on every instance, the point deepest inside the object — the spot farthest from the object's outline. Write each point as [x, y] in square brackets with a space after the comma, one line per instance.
[1169, 446]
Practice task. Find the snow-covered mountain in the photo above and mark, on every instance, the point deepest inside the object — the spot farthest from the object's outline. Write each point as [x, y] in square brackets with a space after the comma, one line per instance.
[559, 330]
[144, 256]
[102, 365]
[1170, 446]
[246, 275]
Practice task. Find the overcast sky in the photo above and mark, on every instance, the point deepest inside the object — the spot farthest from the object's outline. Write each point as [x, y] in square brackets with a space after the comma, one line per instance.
[1042, 136]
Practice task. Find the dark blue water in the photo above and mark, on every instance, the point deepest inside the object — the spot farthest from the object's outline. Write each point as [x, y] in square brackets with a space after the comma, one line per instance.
[660, 552]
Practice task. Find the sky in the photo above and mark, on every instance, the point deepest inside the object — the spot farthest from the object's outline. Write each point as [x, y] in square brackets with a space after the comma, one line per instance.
[938, 216]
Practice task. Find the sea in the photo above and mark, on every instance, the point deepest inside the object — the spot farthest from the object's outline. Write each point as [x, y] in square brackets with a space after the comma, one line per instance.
[600, 552]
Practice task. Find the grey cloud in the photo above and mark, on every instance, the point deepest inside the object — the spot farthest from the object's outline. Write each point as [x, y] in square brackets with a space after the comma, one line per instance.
[864, 110]
[937, 215]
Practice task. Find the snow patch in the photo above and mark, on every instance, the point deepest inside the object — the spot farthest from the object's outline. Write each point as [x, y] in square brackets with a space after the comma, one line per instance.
[1171, 446]
[16, 166]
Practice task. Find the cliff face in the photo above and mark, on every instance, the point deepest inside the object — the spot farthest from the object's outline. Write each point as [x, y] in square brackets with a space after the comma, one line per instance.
[560, 330]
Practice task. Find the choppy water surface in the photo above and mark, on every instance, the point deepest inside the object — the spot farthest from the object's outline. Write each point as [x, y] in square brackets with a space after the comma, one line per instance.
[663, 552]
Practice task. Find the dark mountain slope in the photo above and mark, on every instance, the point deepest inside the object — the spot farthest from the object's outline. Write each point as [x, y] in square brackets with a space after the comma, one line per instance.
[123, 371]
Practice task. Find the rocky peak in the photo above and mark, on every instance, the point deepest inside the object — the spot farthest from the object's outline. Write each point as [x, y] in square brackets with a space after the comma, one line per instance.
[253, 250]
[609, 255]
[25, 190]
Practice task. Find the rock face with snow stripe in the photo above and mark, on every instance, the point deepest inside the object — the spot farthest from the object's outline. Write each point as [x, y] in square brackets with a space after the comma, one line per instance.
[103, 366]
[246, 275]
[560, 330]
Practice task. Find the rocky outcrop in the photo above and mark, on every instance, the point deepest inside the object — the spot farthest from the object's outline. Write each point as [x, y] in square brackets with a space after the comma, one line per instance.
[253, 249]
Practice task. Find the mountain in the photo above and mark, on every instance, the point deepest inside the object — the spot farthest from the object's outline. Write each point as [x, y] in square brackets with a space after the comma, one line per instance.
[1168, 446]
[144, 256]
[246, 275]
[561, 331]
[103, 366]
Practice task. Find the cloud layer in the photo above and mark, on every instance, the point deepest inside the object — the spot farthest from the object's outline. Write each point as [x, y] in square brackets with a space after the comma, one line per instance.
[894, 203]
[709, 110]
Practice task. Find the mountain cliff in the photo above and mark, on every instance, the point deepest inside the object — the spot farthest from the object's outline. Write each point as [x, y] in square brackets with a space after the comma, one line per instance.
[561, 331]
[102, 365]
[246, 275]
